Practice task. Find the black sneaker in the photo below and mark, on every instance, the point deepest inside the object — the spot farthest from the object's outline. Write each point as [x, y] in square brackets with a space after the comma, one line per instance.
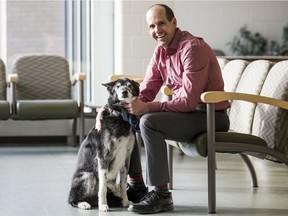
[153, 202]
[135, 195]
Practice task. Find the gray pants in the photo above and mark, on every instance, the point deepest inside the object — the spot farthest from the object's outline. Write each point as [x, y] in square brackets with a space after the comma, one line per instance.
[157, 127]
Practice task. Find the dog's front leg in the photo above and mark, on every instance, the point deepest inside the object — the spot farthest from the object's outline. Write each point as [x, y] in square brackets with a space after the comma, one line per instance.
[102, 193]
[123, 185]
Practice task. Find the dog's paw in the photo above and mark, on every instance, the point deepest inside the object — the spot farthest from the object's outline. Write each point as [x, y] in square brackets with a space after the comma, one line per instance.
[84, 205]
[126, 203]
[103, 207]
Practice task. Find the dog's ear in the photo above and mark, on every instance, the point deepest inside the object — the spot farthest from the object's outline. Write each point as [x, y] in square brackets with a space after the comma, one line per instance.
[109, 86]
[135, 87]
[135, 83]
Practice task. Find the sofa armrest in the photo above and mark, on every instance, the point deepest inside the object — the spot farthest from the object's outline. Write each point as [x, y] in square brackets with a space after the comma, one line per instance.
[218, 96]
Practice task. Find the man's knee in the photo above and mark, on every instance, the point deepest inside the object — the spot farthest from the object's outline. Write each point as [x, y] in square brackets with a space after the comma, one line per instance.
[146, 121]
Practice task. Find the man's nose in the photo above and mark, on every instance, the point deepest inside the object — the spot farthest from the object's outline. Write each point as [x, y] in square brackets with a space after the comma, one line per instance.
[157, 28]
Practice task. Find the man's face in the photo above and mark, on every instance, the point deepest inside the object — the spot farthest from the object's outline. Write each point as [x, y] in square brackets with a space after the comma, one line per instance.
[159, 26]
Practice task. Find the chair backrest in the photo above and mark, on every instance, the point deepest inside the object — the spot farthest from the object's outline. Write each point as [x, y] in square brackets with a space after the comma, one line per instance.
[271, 123]
[259, 77]
[42, 77]
[3, 83]
[232, 73]
[222, 62]
[251, 81]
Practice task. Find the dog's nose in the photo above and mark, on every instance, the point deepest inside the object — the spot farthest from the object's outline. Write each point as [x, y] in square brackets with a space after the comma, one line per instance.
[125, 94]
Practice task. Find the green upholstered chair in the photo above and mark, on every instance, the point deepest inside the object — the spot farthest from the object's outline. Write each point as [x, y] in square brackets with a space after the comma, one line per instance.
[42, 90]
[4, 104]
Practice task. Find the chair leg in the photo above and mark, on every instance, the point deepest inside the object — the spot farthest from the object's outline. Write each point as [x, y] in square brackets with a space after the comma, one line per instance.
[250, 166]
[211, 158]
[170, 165]
[81, 128]
[74, 132]
[81, 114]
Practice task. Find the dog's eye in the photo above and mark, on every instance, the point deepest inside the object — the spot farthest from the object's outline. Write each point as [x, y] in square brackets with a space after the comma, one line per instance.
[117, 86]
[129, 85]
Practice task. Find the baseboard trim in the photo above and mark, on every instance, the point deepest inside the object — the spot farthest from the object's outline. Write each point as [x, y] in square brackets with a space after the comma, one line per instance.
[34, 140]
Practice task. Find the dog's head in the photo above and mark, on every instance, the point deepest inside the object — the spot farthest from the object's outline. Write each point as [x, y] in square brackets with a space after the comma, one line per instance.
[123, 90]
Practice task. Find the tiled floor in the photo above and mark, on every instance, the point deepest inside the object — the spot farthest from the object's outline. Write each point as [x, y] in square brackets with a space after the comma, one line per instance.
[35, 181]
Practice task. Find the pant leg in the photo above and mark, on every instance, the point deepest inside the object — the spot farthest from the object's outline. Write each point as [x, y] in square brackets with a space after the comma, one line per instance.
[157, 127]
[135, 160]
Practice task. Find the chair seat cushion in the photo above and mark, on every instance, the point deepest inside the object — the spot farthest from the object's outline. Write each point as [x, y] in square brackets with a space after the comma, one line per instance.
[198, 146]
[46, 109]
[4, 110]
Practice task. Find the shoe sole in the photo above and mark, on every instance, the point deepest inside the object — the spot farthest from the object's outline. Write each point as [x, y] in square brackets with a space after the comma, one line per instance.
[153, 211]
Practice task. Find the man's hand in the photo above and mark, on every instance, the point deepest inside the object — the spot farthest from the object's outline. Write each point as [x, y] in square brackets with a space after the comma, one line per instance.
[137, 107]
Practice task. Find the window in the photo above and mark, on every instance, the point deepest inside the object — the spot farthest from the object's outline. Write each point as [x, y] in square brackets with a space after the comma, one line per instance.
[89, 45]
[35, 27]
[81, 31]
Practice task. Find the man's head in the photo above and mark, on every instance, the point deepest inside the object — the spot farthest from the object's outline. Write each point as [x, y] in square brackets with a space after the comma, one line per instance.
[161, 24]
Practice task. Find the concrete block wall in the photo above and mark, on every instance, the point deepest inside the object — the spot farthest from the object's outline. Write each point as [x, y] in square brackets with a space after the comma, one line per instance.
[216, 21]
[219, 21]
[133, 44]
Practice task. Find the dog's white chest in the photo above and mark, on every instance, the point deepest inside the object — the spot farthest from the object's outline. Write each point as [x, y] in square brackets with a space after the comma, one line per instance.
[122, 151]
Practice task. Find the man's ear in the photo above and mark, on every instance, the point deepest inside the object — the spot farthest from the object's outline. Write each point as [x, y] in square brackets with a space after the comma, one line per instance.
[174, 21]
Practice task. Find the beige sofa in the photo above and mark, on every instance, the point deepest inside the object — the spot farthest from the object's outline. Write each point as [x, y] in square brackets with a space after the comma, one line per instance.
[258, 91]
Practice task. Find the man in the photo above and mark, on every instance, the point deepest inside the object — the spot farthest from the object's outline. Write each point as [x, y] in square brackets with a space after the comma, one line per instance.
[188, 66]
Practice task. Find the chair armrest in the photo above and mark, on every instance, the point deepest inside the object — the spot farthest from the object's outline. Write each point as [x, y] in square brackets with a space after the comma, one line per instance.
[166, 91]
[78, 77]
[115, 77]
[218, 96]
[12, 78]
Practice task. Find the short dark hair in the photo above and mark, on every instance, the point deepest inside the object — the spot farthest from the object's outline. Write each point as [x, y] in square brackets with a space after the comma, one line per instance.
[168, 10]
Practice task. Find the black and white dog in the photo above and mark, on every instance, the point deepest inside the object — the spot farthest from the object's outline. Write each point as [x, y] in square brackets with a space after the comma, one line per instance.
[104, 156]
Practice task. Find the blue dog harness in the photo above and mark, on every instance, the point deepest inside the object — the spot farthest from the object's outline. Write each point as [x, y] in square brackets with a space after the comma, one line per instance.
[131, 119]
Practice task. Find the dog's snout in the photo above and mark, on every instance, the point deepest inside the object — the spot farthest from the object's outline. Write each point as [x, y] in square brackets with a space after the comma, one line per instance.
[125, 94]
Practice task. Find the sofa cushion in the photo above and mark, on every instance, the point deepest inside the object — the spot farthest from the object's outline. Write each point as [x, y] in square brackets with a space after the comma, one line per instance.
[198, 146]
